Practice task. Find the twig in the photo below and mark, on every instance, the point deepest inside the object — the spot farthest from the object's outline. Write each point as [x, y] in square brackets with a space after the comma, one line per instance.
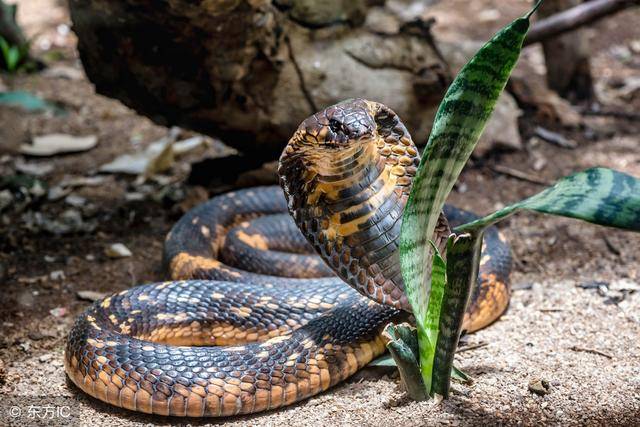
[551, 310]
[590, 350]
[576, 17]
[473, 347]
[554, 138]
[514, 173]
[612, 113]
[611, 246]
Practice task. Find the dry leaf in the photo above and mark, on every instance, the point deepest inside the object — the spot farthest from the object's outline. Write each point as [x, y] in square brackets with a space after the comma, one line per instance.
[56, 143]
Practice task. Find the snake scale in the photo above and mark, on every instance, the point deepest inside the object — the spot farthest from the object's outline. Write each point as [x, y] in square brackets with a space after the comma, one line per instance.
[257, 314]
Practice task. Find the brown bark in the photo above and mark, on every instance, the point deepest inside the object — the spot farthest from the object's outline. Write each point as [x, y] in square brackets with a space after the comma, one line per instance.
[577, 16]
[249, 71]
[567, 57]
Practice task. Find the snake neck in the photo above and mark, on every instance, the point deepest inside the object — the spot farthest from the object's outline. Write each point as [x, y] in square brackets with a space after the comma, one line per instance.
[347, 198]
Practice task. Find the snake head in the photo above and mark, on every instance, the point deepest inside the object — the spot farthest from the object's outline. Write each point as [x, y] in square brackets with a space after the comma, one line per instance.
[338, 126]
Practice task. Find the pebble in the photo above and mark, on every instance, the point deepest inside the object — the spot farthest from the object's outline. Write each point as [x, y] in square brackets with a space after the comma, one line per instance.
[539, 386]
[117, 250]
[90, 295]
[75, 201]
[58, 312]
[57, 275]
[45, 357]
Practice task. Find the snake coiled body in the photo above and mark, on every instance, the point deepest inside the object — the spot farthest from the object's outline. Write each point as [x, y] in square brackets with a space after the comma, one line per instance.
[254, 317]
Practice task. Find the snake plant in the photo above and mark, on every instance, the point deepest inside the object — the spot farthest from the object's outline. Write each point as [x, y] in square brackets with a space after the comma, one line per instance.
[439, 291]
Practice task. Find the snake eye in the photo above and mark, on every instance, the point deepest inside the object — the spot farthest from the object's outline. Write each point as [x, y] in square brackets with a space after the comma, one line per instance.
[335, 125]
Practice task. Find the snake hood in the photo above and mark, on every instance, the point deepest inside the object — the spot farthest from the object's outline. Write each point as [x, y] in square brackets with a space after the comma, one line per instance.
[346, 174]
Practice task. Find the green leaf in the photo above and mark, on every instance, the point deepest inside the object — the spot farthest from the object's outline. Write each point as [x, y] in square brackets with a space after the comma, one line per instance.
[402, 343]
[388, 361]
[458, 124]
[385, 360]
[4, 48]
[429, 325]
[598, 195]
[13, 58]
[463, 259]
[458, 375]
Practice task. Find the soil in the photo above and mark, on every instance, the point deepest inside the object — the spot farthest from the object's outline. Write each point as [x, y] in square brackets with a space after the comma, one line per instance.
[574, 319]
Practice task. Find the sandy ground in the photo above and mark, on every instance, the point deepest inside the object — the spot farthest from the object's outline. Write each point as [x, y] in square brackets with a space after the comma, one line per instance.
[560, 327]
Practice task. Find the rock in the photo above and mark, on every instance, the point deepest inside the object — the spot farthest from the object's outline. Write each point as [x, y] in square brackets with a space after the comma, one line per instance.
[6, 199]
[75, 201]
[117, 250]
[57, 193]
[248, 72]
[70, 221]
[502, 129]
[57, 275]
[45, 357]
[31, 168]
[63, 72]
[58, 312]
[36, 335]
[539, 386]
[90, 295]
[549, 107]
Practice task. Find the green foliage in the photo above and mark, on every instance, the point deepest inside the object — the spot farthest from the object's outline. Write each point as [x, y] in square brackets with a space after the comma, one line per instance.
[598, 195]
[458, 124]
[439, 291]
[13, 56]
[429, 332]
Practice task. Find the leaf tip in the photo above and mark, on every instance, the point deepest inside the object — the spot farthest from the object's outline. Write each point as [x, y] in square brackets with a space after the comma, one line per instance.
[534, 9]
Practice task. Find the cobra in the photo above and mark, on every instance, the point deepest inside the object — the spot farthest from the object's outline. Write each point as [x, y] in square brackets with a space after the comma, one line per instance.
[276, 294]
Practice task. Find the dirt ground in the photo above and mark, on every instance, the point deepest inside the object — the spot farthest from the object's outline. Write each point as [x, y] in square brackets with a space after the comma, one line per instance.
[574, 319]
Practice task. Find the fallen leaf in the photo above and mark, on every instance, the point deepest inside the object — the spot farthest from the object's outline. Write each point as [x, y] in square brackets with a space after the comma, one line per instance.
[49, 145]
[158, 157]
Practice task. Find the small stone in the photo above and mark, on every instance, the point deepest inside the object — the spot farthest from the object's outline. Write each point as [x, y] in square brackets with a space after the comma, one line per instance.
[6, 199]
[90, 257]
[539, 386]
[90, 295]
[57, 275]
[57, 193]
[75, 201]
[35, 335]
[117, 250]
[58, 312]
[25, 346]
[45, 357]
